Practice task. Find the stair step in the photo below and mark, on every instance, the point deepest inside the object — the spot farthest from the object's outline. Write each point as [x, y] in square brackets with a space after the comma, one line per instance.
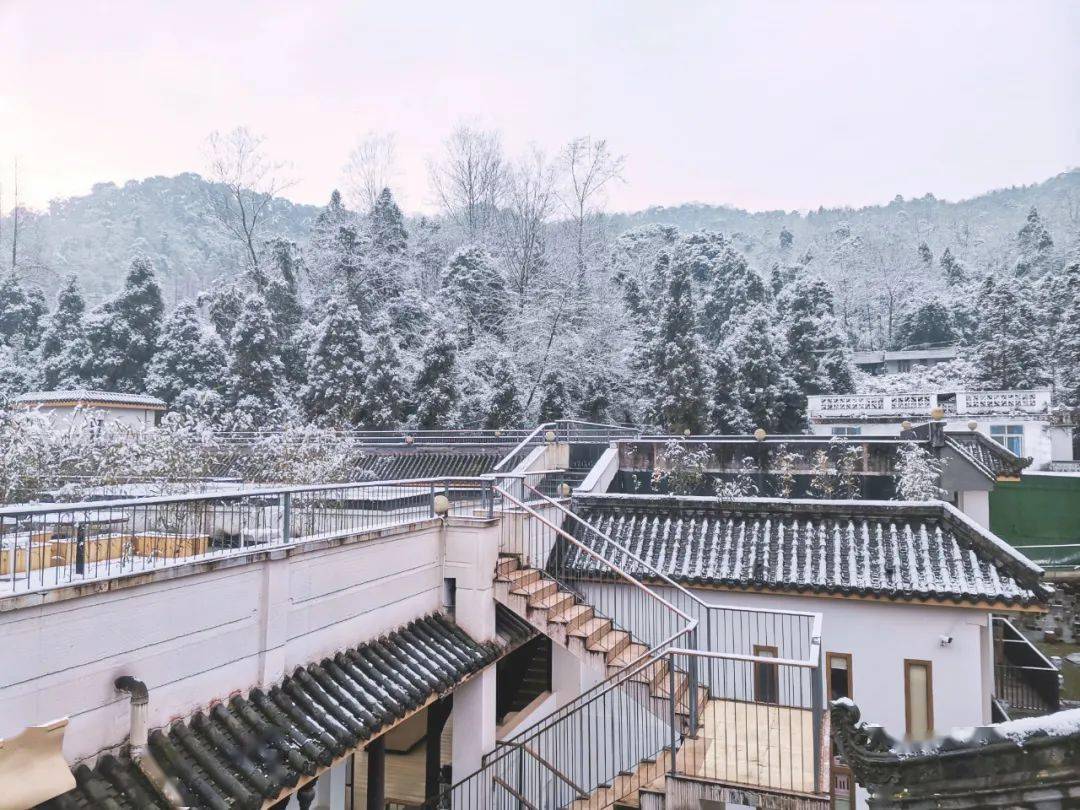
[554, 603]
[592, 630]
[520, 577]
[611, 643]
[573, 617]
[536, 589]
[506, 564]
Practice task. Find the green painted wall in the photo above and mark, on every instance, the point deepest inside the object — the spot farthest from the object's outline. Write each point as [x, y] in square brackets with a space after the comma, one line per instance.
[1039, 510]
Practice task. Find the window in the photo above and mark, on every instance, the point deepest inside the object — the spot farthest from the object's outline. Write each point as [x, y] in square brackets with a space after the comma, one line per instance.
[1012, 436]
[847, 431]
[766, 676]
[839, 667]
[918, 699]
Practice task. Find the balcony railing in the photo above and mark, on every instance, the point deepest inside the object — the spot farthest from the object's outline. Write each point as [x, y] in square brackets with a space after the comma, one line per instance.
[1025, 681]
[52, 545]
[919, 404]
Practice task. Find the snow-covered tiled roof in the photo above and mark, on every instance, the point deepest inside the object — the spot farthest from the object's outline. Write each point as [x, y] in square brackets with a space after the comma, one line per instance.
[891, 549]
[85, 396]
[983, 450]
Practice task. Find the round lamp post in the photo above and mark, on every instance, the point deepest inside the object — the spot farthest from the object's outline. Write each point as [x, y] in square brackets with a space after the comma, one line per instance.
[441, 505]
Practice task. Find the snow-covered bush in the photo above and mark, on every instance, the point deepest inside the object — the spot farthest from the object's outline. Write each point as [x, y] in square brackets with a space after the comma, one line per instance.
[680, 468]
[918, 473]
[742, 484]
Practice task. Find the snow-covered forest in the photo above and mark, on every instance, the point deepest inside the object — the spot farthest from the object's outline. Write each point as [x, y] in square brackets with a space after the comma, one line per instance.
[524, 298]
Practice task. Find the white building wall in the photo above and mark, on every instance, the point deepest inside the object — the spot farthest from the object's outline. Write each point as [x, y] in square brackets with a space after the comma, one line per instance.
[1043, 442]
[64, 417]
[200, 638]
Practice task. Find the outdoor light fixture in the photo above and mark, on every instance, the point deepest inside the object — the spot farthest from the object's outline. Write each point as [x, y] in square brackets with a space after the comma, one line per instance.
[905, 425]
[549, 437]
[564, 489]
[937, 413]
[972, 425]
[686, 432]
[760, 434]
[441, 505]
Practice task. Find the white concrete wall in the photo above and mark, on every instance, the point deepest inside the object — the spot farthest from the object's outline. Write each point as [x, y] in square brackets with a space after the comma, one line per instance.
[1042, 442]
[66, 416]
[200, 638]
[976, 505]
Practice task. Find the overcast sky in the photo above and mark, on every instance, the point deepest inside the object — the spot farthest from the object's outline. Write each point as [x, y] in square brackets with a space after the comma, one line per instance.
[756, 104]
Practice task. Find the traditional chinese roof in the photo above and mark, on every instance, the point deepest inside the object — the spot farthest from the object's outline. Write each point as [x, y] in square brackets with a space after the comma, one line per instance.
[984, 452]
[885, 549]
[243, 752]
[422, 463]
[989, 766]
[87, 397]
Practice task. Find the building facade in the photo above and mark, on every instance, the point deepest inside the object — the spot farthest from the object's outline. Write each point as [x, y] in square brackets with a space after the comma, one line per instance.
[65, 407]
[1021, 421]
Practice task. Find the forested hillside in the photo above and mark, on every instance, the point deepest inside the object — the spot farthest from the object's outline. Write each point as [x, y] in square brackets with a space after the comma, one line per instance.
[525, 299]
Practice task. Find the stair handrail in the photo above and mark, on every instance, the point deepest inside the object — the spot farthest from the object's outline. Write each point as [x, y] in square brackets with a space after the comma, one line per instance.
[660, 575]
[581, 792]
[691, 621]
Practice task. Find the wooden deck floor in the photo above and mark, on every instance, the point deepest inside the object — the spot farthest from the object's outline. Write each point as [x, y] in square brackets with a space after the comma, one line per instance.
[753, 744]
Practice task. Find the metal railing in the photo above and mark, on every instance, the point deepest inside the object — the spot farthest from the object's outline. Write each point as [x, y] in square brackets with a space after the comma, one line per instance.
[679, 659]
[392, 438]
[1025, 680]
[563, 430]
[55, 545]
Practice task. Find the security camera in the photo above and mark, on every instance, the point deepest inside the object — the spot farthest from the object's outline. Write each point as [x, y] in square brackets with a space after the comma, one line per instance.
[946, 641]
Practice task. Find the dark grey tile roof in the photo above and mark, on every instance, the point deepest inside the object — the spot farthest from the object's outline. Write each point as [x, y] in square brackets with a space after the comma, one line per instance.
[984, 451]
[421, 463]
[88, 396]
[250, 749]
[888, 549]
[1004, 764]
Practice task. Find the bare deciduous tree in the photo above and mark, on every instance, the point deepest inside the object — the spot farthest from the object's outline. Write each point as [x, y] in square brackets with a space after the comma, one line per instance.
[469, 180]
[246, 181]
[372, 167]
[530, 202]
[590, 166]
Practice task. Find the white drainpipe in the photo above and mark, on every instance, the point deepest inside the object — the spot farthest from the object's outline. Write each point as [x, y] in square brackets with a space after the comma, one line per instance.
[140, 700]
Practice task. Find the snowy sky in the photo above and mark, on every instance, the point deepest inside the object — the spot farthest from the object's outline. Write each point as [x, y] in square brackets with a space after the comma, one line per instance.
[760, 105]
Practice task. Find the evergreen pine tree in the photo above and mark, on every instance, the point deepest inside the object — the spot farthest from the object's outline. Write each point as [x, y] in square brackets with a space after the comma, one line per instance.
[1007, 351]
[334, 392]
[728, 413]
[786, 239]
[504, 408]
[818, 358]
[1035, 246]
[475, 288]
[1067, 336]
[930, 323]
[124, 331]
[437, 395]
[386, 387]
[190, 358]
[65, 351]
[926, 256]
[732, 288]
[387, 227]
[555, 401]
[21, 313]
[751, 366]
[953, 270]
[256, 376]
[677, 377]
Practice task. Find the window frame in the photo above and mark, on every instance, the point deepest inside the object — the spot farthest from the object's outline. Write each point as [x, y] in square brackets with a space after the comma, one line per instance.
[762, 671]
[829, 656]
[1007, 433]
[908, 664]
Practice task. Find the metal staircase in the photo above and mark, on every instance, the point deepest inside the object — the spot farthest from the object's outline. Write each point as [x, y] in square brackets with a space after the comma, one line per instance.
[636, 633]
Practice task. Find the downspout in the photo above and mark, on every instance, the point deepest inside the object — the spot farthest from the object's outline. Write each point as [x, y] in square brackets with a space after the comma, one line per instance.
[140, 699]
